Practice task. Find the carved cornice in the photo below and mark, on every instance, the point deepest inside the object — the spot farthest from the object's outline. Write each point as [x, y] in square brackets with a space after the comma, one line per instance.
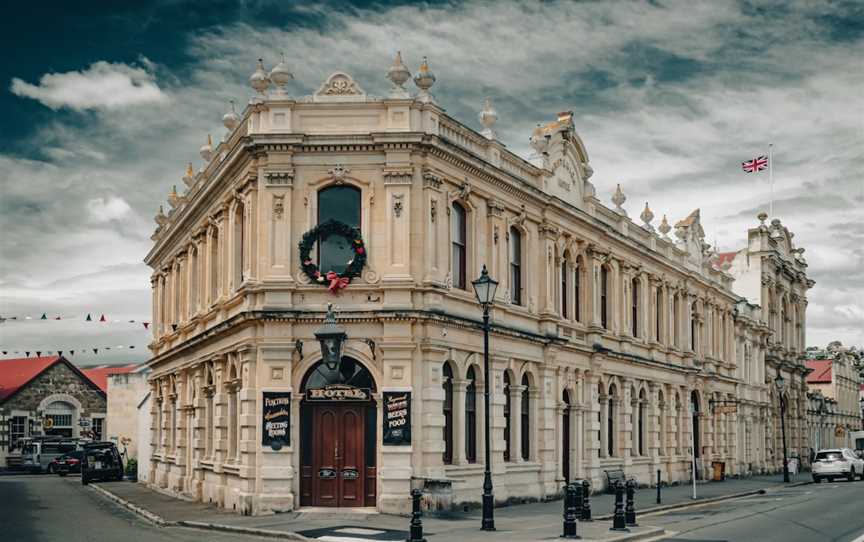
[398, 176]
[279, 177]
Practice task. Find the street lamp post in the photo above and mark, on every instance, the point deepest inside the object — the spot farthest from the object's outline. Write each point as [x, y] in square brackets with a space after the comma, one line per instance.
[332, 337]
[780, 383]
[484, 289]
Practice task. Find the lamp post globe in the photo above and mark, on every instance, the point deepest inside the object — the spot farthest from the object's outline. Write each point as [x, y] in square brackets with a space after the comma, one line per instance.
[484, 288]
[332, 337]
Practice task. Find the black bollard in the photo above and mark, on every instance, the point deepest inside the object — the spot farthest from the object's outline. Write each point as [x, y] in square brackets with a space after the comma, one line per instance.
[658, 486]
[416, 529]
[570, 512]
[630, 509]
[586, 501]
[619, 522]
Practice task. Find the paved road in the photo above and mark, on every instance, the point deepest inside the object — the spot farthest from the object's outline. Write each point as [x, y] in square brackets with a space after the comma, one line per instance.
[827, 512]
[49, 508]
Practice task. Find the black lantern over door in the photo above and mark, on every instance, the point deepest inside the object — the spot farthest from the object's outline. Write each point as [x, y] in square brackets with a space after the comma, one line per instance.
[332, 337]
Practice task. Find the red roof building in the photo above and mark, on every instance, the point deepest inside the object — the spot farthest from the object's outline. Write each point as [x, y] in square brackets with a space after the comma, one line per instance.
[15, 373]
[99, 375]
[821, 371]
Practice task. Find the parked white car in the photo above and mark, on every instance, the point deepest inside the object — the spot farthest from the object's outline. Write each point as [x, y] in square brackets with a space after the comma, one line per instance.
[837, 463]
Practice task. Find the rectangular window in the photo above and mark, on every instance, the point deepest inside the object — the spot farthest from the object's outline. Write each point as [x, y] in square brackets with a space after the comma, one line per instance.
[564, 289]
[471, 424]
[97, 428]
[604, 304]
[459, 243]
[577, 295]
[515, 267]
[17, 430]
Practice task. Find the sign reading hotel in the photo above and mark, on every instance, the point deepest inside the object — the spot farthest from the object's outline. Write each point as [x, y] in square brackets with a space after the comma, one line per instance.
[397, 418]
[337, 392]
[276, 419]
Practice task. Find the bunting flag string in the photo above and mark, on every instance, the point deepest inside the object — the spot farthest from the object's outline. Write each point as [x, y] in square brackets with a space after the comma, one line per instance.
[7, 352]
[102, 319]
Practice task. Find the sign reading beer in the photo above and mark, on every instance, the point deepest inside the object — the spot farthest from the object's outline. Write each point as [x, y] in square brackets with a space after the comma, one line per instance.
[276, 420]
[397, 418]
[337, 392]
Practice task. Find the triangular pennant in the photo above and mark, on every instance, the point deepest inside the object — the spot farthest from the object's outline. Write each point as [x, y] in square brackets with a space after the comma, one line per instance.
[95, 350]
[28, 354]
[88, 319]
[146, 325]
[59, 352]
[57, 318]
[4, 352]
[132, 346]
[44, 316]
[102, 318]
[131, 321]
[71, 352]
[174, 327]
[107, 348]
[38, 353]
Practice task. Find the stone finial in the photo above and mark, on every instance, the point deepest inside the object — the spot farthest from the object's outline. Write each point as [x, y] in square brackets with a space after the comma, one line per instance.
[618, 198]
[160, 217]
[207, 149]
[259, 80]
[398, 74]
[488, 116]
[173, 197]
[665, 228]
[762, 217]
[231, 119]
[280, 75]
[189, 175]
[424, 81]
[647, 216]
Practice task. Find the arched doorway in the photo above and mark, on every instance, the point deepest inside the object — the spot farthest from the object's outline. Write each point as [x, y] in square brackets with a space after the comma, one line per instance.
[338, 436]
[59, 419]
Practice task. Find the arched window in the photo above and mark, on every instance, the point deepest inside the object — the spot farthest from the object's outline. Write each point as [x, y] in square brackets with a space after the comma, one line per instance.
[459, 245]
[694, 405]
[238, 263]
[661, 403]
[577, 291]
[676, 322]
[565, 437]
[193, 280]
[515, 266]
[604, 297]
[525, 415]
[634, 306]
[471, 417]
[447, 384]
[508, 423]
[565, 290]
[340, 203]
[610, 421]
[641, 422]
[658, 314]
[694, 328]
[214, 266]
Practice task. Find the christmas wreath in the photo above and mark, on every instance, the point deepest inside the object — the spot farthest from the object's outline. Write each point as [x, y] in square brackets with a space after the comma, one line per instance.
[335, 281]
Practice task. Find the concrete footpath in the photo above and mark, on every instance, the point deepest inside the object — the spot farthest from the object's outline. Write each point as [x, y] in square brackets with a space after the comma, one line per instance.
[527, 522]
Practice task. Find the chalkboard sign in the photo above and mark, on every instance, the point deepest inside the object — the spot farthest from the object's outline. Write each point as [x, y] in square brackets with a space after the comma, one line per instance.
[397, 418]
[276, 419]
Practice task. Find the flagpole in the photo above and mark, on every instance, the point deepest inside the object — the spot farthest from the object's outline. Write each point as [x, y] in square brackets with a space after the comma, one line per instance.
[771, 179]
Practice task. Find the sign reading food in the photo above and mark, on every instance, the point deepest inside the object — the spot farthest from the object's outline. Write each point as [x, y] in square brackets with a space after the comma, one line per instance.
[276, 419]
[397, 418]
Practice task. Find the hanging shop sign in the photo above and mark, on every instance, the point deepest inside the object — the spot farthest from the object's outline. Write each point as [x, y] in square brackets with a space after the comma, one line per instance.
[397, 418]
[338, 392]
[276, 419]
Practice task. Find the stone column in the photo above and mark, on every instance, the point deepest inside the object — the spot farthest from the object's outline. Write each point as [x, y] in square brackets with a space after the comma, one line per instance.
[435, 223]
[459, 388]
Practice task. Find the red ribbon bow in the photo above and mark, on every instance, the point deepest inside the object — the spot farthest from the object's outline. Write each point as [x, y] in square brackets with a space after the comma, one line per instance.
[336, 283]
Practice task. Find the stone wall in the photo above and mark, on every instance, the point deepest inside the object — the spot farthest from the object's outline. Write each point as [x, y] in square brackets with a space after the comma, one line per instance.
[60, 378]
[125, 391]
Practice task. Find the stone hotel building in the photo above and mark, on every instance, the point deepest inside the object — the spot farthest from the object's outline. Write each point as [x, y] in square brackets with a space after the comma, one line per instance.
[613, 344]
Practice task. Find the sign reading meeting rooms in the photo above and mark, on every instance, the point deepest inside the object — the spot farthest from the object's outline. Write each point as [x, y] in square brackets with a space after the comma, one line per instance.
[276, 419]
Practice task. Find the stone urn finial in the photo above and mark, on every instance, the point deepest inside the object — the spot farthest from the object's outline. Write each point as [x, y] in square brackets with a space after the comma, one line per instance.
[424, 81]
[398, 74]
[618, 198]
[647, 216]
[259, 80]
[488, 116]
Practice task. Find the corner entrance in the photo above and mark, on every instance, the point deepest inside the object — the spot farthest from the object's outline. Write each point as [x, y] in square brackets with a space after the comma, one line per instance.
[338, 436]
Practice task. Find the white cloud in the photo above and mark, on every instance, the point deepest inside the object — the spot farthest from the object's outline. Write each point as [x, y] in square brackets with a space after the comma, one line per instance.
[103, 85]
[105, 210]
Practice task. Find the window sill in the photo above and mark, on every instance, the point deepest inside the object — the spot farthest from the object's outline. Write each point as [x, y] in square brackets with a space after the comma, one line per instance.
[527, 466]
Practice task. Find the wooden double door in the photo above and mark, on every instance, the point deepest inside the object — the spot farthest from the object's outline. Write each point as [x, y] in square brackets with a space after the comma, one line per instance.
[339, 474]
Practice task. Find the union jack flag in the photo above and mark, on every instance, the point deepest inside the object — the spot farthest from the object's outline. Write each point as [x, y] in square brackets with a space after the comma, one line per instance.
[756, 164]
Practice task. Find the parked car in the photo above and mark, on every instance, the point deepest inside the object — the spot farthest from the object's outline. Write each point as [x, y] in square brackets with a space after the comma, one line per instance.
[837, 463]
[67, 463]
[101, 461]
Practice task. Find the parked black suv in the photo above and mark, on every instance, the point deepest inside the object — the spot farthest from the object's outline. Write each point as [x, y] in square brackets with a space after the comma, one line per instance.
[101, 462]
[67, 463]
